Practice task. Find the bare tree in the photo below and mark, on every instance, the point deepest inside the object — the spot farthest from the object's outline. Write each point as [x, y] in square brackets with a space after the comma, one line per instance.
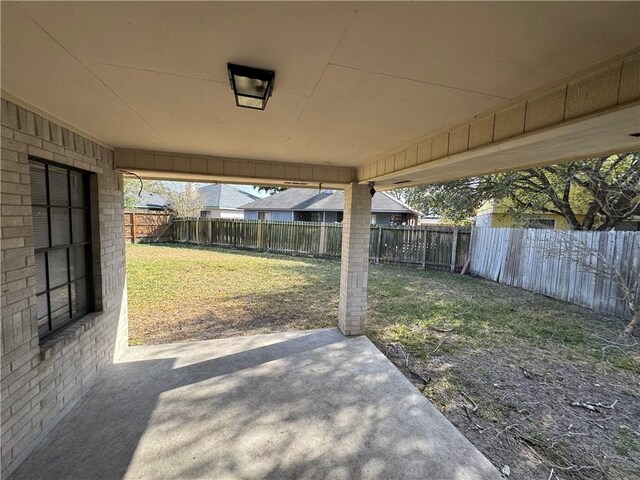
[186, 202]
[570, 246]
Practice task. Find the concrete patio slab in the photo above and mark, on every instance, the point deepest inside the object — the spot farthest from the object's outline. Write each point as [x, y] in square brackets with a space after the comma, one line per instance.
[297, 405]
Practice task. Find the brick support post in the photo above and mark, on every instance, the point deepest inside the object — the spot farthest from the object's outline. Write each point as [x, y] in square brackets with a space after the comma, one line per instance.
[355, 259]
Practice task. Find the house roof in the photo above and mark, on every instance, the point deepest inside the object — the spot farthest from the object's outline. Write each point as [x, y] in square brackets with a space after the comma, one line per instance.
[300, 199]
[151, 200]
[219, 195]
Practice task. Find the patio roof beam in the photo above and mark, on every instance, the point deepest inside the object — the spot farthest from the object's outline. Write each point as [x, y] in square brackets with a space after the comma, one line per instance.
[591, 113]
[201, 168]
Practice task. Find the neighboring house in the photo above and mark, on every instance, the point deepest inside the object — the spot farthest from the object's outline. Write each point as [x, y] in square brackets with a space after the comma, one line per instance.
[301, 204]
[224, 201]
[496, 214]
[150, 201]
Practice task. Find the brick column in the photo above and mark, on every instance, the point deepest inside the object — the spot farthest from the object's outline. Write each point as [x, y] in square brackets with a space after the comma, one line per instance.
[355, 259]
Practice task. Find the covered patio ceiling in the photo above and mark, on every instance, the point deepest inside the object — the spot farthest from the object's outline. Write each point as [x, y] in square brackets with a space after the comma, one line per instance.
[356, 83]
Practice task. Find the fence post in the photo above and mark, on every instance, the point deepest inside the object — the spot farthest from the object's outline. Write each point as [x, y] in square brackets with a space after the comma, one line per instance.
[454, 249]
[259, 236]
[470, 252]
[133, 227]
[424, 247]
[379, 245]
[323, 238]
[234, 233]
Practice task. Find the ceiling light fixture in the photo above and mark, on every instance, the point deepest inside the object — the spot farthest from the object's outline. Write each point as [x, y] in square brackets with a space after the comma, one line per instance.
[251, 86]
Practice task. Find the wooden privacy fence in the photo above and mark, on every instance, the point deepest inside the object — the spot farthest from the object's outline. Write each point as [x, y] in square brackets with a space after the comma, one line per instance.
[439, 248]
[572, 266]
[146, 226]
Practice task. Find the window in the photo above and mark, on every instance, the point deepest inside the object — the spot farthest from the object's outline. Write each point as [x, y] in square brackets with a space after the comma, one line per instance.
[396, 219]
[62, 242]
[262, 216]
[309, 216]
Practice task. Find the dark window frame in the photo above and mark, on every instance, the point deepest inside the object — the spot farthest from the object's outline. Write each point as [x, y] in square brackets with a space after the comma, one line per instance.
[397, 219]
[88, 278]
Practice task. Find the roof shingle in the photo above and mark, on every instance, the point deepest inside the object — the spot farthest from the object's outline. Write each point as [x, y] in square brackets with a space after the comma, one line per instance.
[220, 195]
[301, 199]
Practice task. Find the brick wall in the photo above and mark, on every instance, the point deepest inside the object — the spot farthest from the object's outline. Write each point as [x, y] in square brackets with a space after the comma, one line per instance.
[356, 225]
[41, 381]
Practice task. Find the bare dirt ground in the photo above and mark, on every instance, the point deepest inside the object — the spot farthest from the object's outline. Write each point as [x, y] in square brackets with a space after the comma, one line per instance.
[527, 417]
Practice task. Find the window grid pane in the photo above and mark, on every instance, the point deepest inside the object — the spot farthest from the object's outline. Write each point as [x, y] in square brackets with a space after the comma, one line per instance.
[38, 184]
[77, 189]
[61, 240]
[59, 226]
[77, 262]
[58, 186]
[41, 273]
[78, 225]
[58, 273]
[40, 227]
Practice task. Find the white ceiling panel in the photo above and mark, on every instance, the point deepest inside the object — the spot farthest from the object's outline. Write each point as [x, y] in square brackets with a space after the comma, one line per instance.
[353, 80]
[352, 114]
[498, 48]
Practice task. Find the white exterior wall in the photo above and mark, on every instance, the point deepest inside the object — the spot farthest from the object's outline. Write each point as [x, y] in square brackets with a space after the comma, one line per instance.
[223, 213]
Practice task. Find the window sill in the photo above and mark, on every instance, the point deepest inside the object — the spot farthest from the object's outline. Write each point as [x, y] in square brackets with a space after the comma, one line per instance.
[56, 342]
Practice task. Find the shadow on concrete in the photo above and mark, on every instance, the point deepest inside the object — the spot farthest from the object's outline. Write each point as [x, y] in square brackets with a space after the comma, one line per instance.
[295, 405]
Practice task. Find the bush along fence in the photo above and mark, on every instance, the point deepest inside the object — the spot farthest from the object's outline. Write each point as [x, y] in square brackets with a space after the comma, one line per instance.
[146, 226]
[438, 248]
[591, 269]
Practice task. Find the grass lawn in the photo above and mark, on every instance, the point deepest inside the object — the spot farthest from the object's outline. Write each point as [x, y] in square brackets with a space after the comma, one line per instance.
[521, 358]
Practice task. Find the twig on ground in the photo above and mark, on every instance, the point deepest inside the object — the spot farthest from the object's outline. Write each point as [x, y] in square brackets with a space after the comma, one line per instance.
[593, 406]
[477, 427]
[399, 351]
[585, 405]
[635, 342]
[439, 345]
[550, 474]
[443, 330]
[571, 468]
[601, 405]
[509, 427]
[466, 409]
[604, 349]
[424, 379]
[596, 424]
